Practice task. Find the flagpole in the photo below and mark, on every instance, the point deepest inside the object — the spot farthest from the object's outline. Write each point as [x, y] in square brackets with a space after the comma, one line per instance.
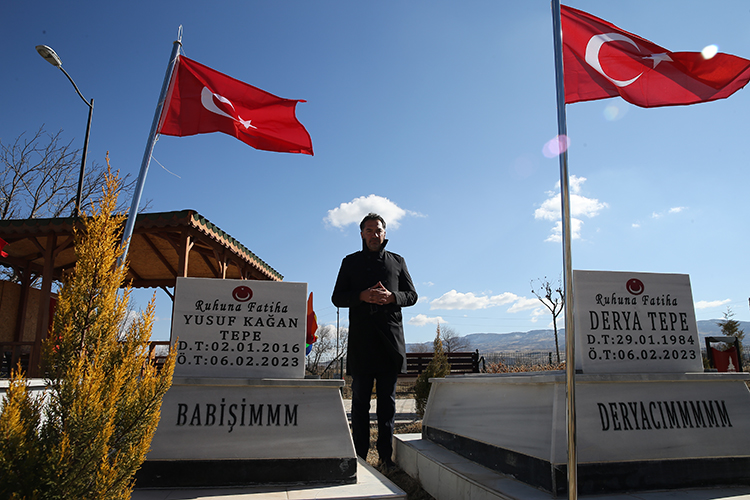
[130, 224]
[570, 370]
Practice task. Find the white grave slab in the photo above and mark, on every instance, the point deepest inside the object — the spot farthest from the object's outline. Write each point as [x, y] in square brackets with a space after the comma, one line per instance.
[239, 328]
[250, 419]
[635, 323]
[647, 417]
[689, 424]
[228, 432]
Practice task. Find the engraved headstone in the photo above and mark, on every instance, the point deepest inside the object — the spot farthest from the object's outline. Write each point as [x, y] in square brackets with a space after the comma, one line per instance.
[635, 323]
[647, 415]
[240, 411]
[239, 328]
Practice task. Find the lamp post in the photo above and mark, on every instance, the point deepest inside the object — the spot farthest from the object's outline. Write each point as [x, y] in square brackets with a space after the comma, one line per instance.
[51, 57]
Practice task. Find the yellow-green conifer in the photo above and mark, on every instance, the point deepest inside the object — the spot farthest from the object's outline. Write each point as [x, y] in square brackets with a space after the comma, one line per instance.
[92, 430]
[437, 367]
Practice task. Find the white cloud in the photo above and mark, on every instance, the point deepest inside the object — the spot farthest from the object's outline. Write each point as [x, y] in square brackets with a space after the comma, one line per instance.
[575, 230]
[673, 210]
[537, 313]
[458, 300]
[524, 304]
[580, 206]
[543, 312]
[707, 304]
[422, 320]
[354, 211]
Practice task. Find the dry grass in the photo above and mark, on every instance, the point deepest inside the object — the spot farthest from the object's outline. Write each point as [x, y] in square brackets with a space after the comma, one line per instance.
[501, 367]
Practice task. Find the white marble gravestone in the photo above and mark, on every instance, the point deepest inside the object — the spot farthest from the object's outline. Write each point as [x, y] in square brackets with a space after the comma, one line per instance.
[635, 323]
[644, 421]
[240, 411]
[239, 328]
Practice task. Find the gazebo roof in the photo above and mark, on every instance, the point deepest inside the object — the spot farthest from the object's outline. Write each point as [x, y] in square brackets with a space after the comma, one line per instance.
[164, 245]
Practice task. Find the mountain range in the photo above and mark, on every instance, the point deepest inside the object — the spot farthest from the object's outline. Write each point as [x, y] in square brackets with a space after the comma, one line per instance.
[544, 340]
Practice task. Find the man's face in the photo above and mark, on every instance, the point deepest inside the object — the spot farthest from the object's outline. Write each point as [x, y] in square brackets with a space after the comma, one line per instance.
[373, 235]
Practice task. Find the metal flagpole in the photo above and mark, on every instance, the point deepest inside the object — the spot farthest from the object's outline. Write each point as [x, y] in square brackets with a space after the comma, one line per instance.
[570, 368]
[130, 224]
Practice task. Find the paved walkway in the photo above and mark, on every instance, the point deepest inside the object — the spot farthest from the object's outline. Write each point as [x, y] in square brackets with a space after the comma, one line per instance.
[405, 410]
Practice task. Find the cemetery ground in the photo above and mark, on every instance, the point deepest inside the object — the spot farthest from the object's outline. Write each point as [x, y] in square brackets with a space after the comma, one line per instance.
[405, 390]
[411, 486]
[414, 491]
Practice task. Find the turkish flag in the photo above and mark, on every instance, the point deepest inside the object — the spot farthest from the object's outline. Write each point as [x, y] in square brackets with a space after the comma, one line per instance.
[202, 100]
[312, 325]
[600, 60]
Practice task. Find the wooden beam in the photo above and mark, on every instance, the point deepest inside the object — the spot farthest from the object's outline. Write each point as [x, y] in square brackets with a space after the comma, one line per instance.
[158, 254]
[42, 326]
[184, 254]
[166, 290]
[23, 303]
[221, 260]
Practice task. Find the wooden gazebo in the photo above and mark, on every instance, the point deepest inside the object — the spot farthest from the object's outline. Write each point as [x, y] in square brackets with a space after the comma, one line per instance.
[164, 246]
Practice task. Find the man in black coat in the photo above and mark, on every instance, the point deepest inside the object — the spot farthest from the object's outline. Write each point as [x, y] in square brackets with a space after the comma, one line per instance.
[374, 284]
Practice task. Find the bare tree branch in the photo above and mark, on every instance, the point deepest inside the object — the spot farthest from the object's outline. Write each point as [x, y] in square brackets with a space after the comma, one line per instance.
[39, 179]
[553, 297]
[451, 341]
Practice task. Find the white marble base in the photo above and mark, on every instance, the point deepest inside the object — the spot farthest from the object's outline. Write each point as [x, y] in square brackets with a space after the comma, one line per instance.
[370, 484]
[516, 423]
[241, 431]
[447, 476]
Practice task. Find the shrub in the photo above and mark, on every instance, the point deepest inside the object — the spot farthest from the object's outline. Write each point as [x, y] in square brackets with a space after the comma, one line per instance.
[437, 367]
[91, 431]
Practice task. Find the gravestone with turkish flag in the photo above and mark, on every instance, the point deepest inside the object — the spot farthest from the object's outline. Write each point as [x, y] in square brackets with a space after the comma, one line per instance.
[646, 416]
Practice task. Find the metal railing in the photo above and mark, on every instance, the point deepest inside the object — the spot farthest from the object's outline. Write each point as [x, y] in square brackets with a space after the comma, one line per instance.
[11, 353]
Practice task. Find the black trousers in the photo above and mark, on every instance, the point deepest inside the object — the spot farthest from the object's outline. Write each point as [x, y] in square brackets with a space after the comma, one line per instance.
[386, 411]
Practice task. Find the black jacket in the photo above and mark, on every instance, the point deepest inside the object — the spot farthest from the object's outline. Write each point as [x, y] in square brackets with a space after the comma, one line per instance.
[376, 333]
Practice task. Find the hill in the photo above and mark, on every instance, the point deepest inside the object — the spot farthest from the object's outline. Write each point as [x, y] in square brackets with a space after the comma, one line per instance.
[544, 340]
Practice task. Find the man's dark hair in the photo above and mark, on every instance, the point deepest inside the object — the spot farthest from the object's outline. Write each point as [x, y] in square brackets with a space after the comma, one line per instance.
[371, 216]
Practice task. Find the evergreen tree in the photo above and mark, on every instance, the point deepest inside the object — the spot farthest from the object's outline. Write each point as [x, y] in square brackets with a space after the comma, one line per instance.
[91, 431]
[437, 367]
[731, 327]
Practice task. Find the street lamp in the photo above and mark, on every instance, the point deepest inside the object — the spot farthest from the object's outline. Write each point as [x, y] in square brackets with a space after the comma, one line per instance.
[51, 57]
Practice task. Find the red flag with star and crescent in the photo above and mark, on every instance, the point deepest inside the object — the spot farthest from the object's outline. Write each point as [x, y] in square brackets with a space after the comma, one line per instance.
[601, 60]
[202, 100]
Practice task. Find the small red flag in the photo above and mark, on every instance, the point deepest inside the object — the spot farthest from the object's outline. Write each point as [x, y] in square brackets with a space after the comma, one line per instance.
[601, 60]
[203, 100]
[2, 244]
[312, 324]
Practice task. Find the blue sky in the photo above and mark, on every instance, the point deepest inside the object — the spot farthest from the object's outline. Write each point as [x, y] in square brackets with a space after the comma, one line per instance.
[435, 113]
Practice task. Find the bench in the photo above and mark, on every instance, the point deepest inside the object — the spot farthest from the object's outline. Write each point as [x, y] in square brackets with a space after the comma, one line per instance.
[461, 362]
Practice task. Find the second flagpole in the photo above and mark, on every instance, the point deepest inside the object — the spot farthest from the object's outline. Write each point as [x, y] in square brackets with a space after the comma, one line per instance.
[562, 131]
[130, 224]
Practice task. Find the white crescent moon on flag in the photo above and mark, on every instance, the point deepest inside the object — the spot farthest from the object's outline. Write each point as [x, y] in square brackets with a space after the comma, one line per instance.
[207, 99]
[592, 55]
